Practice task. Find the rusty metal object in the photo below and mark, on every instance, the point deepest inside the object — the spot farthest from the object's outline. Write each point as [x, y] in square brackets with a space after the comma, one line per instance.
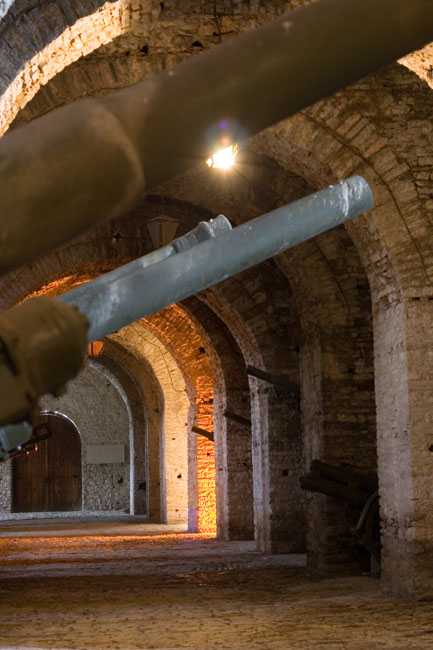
[203, 432]
[339, 482]
[229, 415]
[275, 380]
[43, 344]
[93, 160]
[358, 490]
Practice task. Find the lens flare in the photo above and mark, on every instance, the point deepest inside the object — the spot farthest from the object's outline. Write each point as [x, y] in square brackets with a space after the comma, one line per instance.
[223, 159]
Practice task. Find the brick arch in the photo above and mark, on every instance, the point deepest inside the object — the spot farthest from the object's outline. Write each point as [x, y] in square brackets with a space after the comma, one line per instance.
[394, 244]
[139, 399]
[121, 20]
[245, 305]
[313, 133]
[344, 134]
[197, 397]
[47, 37]
[233, 441]
[262, 320]
[178, 333]
[255, 326]
[182, 340]
[392, 238]
[332, 296]
[138, 339]
[140, 373]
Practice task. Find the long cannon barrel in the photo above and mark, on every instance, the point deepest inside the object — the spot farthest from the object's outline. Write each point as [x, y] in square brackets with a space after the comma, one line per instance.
[29, 369]
[93, 160]
[87, 296]
[113, 300]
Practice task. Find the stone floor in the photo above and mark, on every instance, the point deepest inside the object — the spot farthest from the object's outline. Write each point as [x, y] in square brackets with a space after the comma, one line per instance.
[119, 583]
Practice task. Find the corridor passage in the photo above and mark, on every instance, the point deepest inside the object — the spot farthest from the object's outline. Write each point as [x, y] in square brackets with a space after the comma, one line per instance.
[114, 583]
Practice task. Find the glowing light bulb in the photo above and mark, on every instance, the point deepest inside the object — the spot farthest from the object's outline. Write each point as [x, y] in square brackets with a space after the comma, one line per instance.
[223, 159]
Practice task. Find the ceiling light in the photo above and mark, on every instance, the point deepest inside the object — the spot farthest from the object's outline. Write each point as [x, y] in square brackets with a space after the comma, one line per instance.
[223, 159]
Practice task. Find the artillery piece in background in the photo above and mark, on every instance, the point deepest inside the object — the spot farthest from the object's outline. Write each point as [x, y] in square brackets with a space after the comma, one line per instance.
[360, 493]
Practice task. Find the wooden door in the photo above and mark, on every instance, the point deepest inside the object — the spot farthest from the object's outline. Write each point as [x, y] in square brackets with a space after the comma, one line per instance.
[49, 480]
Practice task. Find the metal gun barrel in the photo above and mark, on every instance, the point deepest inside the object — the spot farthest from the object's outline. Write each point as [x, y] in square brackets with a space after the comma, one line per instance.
[86, 294]
[127, 297]
[93, 160]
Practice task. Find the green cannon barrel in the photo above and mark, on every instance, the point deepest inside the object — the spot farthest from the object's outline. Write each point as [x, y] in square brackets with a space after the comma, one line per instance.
[136, 290]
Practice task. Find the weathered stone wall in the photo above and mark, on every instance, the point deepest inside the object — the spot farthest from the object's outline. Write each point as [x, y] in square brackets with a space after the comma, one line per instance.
[259, 310]
[140, 373]
[337, 381]
[94, 404]
[405, 444]
[140, 423]
[180, 334]
[40, 39]
[5, 486]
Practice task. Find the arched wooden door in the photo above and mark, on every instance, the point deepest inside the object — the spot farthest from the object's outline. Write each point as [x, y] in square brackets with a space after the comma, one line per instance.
[49, 479]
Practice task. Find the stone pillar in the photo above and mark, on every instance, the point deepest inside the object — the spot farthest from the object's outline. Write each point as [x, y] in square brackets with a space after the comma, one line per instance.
[312, 420]
[339, 428]
[260, 456]
[277, 463]
[233, 463]
[192, 472]
[404, 382]
[5, 487]
[238, 481]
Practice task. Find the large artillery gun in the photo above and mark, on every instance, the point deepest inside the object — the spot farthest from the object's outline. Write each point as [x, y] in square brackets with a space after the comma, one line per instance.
[360, 494]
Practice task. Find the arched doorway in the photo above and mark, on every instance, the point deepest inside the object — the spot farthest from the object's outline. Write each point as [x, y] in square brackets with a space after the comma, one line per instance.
[49, 479]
